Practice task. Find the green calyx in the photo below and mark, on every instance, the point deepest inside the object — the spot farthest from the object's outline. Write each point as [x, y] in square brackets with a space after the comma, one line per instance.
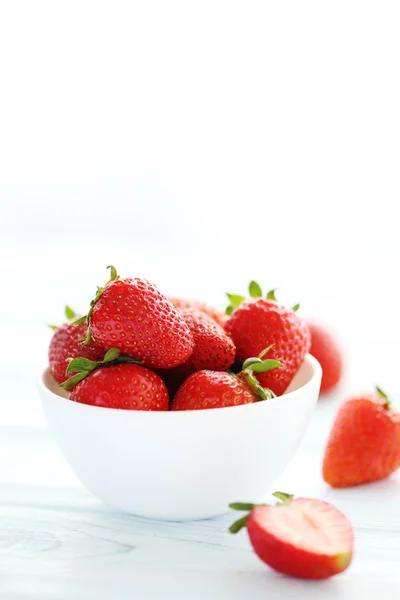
[255, 291]
[384, 396]
[258, 365]
[69, 313]
[113, 276]
[283, 499]
[83, 367]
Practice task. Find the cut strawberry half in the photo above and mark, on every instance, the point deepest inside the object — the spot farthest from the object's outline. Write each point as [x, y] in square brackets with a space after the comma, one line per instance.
[303, 538]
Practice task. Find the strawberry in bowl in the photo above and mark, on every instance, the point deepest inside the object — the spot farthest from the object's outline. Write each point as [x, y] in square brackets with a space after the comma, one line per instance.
[180, 455]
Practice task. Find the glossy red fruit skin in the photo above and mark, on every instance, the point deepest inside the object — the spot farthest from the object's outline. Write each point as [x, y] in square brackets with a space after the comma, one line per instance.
[364, 443]
[126, 386]
[133, 316]
[212, 389]
[213, 348]
[67, 343]
[259, 323]
[218, 316]
[291, 559]
[327, 352]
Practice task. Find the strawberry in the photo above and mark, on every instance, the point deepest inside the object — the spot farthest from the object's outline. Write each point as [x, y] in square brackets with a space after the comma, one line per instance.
[213, 348]
[217, 389]
[67, 343]
[327, 352]
[364, 444]
[260, 322]
[209, 310]
[300, 537]
[133, 316]
[126, 386]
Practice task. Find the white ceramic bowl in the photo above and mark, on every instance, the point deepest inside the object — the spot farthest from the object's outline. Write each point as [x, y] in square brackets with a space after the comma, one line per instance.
[185, 464]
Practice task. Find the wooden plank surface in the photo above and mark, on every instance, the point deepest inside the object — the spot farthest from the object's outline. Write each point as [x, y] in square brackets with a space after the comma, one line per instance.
[59, 542]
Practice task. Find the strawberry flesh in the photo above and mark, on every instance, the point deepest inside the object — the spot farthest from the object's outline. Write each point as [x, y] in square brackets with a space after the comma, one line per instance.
[305, 538]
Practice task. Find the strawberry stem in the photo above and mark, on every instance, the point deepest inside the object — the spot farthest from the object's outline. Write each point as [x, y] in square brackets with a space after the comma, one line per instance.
[240, 523]
[384, 396]
[256, 365]
[113, 275]
[283, 496]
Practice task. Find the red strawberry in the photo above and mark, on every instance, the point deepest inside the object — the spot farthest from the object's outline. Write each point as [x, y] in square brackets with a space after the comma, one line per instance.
[364, 444]
[217, 389]
[261, 322]
[304, 538]
[209, 310]
[133, 316]
[126, 386]
[327, 352]
[213, 348]
[67, 343]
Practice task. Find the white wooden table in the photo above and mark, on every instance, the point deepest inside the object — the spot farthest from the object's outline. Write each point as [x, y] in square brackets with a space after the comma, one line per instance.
[58, 542]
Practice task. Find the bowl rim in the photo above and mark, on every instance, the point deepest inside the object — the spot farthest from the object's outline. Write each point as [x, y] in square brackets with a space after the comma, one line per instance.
[316, 373]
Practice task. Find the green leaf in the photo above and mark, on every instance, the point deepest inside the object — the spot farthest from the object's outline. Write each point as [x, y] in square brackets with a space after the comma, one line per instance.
[53, 327]
[251, 361]
[120, 360]
[241, 506]
[74, 380]
[264, 352]
[79, 321]
[111, 354]
[259, 390]
[384, 396]
[239, 524]
[113, 274]
[381, 393]
[69, 313]
[229, 310]
[266, 365]
[81, 364]
[255, 290]
[235, 300]
[283, 496]
[271, 294]
[296, 307]
[88, 337]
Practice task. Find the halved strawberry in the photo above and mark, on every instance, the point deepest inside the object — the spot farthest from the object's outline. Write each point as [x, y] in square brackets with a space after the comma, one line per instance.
[301, 537]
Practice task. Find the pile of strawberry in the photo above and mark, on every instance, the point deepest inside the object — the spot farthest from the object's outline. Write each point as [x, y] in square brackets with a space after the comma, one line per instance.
[136, 349]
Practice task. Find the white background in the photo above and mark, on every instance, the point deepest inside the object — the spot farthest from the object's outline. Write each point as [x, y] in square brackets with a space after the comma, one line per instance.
[200, 144]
